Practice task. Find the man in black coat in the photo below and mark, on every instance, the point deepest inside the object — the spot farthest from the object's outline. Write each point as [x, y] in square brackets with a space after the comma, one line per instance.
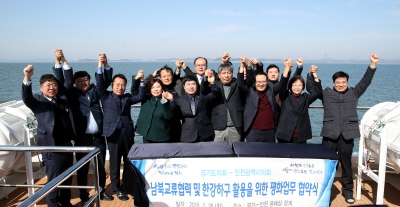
[261, 110]
[88, 117]
[55, 128]
[340, 125]
[227, 111]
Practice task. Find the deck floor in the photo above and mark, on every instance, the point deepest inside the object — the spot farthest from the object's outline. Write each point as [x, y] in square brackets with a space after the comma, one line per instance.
[368, 195]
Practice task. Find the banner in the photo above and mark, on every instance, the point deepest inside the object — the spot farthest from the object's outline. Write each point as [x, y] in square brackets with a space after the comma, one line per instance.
[237, 181]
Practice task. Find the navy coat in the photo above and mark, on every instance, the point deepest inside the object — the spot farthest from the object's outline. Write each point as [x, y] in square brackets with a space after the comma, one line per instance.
[80, 104]
[112, 108]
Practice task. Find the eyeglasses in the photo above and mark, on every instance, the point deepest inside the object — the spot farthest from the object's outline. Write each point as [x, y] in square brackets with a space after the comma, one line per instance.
[261, 81]
[82, 80]
[54, 85]
[200, 65]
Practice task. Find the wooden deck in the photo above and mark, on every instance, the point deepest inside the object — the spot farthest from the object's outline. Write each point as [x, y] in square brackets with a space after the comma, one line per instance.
[368, 195]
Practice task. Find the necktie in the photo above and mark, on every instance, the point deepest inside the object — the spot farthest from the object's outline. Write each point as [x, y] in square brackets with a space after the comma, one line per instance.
[54, 100]
[192, 105]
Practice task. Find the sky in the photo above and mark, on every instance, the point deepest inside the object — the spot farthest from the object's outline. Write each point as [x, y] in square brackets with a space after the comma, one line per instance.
[32, 30]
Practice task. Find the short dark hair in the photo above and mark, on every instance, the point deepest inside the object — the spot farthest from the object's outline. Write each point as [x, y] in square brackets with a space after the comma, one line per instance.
[189, 78]
[256, 73]
[340, 74]
[194, 62]
[294, 79]
[81, 74]
[165, 68]
[152, 82]
[122, 76]
[225, 66]
[48, 77]
[272, 66]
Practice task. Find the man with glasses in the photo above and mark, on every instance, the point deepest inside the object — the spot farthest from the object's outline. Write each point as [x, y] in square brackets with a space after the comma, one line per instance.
[88, 117]
[260, 113]
[117, 123]
[55, 128]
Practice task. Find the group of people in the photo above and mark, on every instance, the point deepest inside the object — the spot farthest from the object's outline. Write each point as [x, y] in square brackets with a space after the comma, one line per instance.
[202, 105]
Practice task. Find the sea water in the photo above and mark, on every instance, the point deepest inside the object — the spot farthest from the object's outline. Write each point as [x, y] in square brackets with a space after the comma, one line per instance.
[383, 87]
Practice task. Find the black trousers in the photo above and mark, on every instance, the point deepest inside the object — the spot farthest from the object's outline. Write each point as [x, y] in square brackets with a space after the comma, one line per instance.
[261, 135]
[56, 163]
[99, 142]
[119, 145]
[345, 149]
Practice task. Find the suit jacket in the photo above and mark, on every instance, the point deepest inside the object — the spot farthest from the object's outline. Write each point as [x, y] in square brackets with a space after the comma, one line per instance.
[81, 106]
[234, 103]
[114, 111]
[252, 101]
[44, 112]
[294, 114]
[198, 124]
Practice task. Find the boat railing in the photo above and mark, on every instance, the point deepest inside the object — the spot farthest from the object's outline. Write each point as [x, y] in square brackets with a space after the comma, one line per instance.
[56, 182]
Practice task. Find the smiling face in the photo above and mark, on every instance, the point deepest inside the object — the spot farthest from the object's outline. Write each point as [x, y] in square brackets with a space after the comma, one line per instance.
[49, 89]
[261, 83]
[156, 90]
[225, 76]
[190, 87]
[83, 84]
[166, 77]
[118, 86]
[200, 66]
[297, 87]
[340, 84]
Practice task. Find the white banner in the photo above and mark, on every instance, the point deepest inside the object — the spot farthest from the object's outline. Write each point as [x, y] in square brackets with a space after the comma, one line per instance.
[238, 181]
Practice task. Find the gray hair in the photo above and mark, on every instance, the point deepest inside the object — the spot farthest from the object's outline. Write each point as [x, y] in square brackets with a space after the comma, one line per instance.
[225, 66]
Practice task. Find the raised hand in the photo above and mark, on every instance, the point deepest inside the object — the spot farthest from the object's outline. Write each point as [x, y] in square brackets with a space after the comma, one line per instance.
[288, 63]
[155, 74]
[254, 61]
[225, 57]
[28, 72]
[210, 76]
[180, 64]
[59, 54]
[244, 61]
[102, 60]
[140, 74]
[299, 62]
[374, 60]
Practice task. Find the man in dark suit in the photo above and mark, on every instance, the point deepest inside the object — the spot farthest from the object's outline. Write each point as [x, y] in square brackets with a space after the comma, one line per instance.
[55, 128]
[88, 118]
[260, 113]
[192, 109]
[227, 111]
[117, 123]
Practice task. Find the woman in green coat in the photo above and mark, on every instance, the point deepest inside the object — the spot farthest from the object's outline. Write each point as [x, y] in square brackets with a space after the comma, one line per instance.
[155, 115]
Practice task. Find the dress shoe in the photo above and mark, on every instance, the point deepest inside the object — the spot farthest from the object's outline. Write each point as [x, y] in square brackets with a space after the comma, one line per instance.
[349, 199]
[122, 196]
[105, 196]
